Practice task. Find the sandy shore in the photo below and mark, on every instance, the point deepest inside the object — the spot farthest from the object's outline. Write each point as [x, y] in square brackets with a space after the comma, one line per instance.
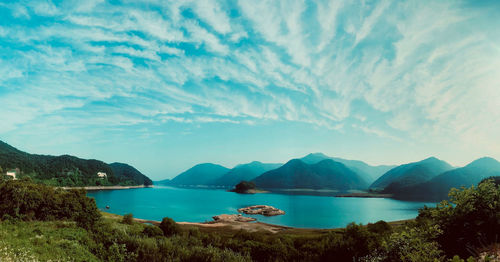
[234, 225]
[248, 226]
[93, 188]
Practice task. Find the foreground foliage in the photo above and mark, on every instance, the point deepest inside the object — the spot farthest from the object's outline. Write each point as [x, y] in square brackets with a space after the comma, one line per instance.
[462, 227]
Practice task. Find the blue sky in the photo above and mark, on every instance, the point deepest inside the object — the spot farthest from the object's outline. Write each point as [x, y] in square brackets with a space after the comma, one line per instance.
[164, 85]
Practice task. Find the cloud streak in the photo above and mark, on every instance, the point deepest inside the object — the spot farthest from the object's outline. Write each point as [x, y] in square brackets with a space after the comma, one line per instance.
[426, 71]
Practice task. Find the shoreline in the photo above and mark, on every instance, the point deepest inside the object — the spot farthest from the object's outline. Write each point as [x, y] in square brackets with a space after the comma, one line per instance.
[253, 226]
[96, 188]
[366, 195]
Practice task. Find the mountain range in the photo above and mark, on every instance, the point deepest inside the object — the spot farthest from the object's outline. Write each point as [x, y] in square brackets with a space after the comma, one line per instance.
[439, 186]
[68, 170]
[336, 173]
[430, 178]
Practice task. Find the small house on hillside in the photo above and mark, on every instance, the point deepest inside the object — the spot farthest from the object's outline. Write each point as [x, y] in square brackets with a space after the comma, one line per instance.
[102, 175]
[12, 173]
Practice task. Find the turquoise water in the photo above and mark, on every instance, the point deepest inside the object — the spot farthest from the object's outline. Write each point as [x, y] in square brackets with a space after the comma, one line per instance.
[199, 205]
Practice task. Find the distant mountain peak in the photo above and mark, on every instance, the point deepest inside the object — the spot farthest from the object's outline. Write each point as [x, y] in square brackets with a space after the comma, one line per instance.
[318, 154]
[430, 159]
[483, 162]
[295, 162]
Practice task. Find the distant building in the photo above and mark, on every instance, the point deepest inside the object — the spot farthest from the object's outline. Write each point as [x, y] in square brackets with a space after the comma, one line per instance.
[102, 175]
[12, 174]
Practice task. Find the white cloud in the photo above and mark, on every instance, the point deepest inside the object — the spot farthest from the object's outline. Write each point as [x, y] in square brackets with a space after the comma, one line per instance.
[428, 71]
[211, 12]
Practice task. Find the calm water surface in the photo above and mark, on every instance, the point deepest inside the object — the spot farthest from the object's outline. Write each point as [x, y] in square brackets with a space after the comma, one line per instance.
[199, 205]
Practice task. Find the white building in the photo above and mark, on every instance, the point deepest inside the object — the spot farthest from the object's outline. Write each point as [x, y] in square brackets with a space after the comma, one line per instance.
[12, 174]
[102, 175]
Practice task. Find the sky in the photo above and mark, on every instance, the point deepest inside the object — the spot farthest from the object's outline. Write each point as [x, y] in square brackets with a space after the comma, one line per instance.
[164, 85]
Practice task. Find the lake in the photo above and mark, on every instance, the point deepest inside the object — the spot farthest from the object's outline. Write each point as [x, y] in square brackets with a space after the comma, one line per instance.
[305, 211]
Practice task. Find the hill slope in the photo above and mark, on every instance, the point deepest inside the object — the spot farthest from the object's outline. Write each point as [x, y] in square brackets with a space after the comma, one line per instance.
[62, 170]
[122, 170]
[326, 174]
[201, 174]
[438, 187]
[371, 173]
[410, 174]
[244, 172]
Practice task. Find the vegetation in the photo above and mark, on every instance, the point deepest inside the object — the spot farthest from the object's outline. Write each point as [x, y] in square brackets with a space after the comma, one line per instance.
[67, 170]
[244, 187]
[244, 172]
[202, 174]
[471, 219]
[438, 187]
[44, 223]
[129, 175]
[371, 173]
[410, 174]
[128, 219]
[326, 174]
[23, 200]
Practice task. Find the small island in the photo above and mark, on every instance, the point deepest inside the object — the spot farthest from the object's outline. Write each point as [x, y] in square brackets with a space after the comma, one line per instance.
[261, 210]
[246, 187]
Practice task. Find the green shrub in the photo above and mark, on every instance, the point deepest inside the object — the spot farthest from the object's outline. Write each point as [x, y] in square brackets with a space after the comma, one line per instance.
[469, 221]
[169, 227]
[22, 199]
[128, 219]
[152, 231]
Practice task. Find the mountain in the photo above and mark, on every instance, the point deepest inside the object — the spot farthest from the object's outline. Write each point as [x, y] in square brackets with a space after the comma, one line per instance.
[410, 174]
[438, 187]
[122, 170]
[163, 182]
[201, 174]
[244, 172]
[371, 173]
[326, 174]
[62, 170]
[314, 158]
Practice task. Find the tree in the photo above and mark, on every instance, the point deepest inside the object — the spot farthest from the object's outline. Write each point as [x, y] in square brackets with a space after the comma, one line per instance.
[128, 219]
[470, 220]
[244, 187]
[169, 227]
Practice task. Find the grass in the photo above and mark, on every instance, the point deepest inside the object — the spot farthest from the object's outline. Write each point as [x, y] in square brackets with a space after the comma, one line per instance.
[64, 241]
[43, 241]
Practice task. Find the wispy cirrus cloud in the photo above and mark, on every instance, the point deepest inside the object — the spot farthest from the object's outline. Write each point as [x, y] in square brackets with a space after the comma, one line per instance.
[426, 71]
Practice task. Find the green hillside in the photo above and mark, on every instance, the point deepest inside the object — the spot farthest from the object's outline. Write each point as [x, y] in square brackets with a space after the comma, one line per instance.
[244, 172]
[438, 187]
[370, 173]
[199, 175]
[126, 171]
[327, 174]
[410, 174]
[62, 170]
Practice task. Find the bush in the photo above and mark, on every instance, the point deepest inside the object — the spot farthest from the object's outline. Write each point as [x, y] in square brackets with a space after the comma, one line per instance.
[244, 186]
[413, 244]
[128, 219]
[152, 231]
[469, 221]
[169, 227]
[21, 199]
